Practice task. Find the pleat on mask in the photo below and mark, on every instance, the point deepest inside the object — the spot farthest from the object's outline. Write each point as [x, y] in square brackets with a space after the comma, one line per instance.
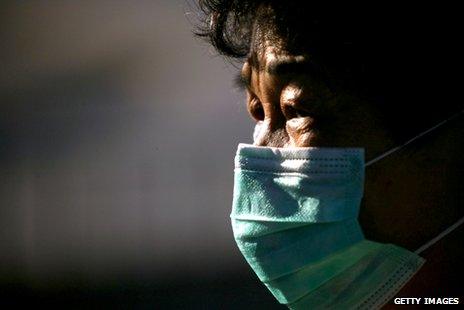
[294, 219]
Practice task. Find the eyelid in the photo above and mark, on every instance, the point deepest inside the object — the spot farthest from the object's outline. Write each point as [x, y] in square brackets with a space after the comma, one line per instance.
[301, 107]
[239, 82]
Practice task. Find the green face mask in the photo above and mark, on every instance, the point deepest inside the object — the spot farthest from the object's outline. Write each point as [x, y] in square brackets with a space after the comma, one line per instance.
[294, 219]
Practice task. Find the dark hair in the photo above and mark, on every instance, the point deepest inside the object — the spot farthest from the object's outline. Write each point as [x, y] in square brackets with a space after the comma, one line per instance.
[228, 24]
[335, 39]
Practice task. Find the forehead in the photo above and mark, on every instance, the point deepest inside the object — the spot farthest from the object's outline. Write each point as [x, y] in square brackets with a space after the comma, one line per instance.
[272, 43]
[277, 61]
[280, 55]
[330, 46]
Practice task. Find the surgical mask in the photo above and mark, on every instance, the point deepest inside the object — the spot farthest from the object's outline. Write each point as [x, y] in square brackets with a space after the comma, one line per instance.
[294, 219]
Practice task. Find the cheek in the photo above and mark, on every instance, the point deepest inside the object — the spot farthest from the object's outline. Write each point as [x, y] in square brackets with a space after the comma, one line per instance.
[300, 131]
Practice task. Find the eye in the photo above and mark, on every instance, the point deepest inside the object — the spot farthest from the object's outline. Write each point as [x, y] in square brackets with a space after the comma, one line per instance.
[290, 112]
[255, 108]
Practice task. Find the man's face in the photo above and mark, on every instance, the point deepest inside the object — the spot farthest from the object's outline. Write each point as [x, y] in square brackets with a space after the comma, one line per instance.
[292, 100]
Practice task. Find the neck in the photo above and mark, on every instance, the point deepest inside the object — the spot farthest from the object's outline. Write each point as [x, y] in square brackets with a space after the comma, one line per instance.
[413, 194]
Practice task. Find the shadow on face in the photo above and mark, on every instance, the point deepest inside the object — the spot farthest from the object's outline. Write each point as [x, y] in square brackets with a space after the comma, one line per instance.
[346, 78]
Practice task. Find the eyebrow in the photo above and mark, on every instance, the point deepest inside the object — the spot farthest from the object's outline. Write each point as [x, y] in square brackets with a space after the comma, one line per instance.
[241, 81]
[293, 66]
[283, 67]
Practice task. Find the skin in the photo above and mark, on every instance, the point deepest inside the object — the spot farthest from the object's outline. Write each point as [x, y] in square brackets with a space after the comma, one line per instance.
[410, 197]
[298, 110]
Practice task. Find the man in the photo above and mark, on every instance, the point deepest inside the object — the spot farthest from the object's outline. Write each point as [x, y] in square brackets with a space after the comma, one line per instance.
[371, 77]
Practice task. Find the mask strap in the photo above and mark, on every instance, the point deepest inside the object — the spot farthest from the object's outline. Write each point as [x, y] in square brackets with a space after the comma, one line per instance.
[411, 140]
[461, 220]
[440, 236]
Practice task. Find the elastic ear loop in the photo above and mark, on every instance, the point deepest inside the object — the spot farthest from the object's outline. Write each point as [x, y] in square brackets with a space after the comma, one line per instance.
[440, 236]
[393, 150]
[461, 220]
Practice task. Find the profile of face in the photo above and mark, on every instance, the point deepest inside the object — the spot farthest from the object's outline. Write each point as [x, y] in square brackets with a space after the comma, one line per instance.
[358, 87]
[371, 78]
[294, 104]
[345, 78]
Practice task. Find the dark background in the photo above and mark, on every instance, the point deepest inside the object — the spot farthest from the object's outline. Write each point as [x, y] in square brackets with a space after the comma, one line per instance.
[117, 136]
